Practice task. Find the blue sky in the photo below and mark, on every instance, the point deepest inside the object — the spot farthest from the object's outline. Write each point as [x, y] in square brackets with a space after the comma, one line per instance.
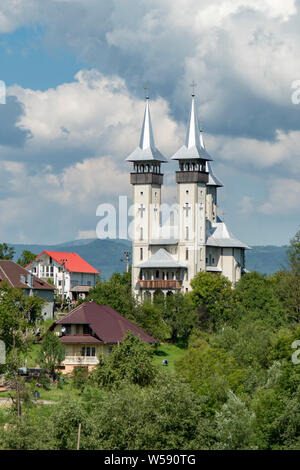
[75, 73]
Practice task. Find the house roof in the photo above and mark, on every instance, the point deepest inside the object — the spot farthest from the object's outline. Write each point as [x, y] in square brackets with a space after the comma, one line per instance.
[11, 272]
[79, 339]
[219, 235]
[106, 323]
[161, 259]
[74, 262]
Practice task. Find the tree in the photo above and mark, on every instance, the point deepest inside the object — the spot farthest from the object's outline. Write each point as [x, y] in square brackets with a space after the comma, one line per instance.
[26, 258]
[116, 293]
[212, 297]
[18, 316]
[52, 353]
[211, 372]
[293, 252]
[180, 316]
[256, 296]
[130, 361]
[6, 252]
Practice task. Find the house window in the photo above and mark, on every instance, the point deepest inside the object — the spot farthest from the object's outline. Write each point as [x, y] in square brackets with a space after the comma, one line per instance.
[93, 351]
[88, 351]
[67, 329]
[157, 274]
[141, 253]
[186, 253]
[87, 330]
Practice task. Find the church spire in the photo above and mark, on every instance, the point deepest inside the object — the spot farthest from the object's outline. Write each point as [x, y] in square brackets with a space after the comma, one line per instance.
[192, 134]
[192, 150]
[146, 151]
[147, 139]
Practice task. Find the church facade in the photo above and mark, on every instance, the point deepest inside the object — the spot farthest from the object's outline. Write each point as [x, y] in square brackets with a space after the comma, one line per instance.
[171, 244]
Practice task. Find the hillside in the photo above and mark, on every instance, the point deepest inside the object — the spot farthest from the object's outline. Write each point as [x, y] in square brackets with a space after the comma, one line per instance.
[105, 255]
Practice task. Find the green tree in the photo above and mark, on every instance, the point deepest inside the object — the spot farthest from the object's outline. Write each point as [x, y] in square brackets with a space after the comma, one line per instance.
[212, 297]
[211, 372]
[116, 293]
[18, 316]
[130, 361]
[235, 425]
[294, 253]
[6, 252]
[26, 258]
[180, 316]
[52, 353]
[256, 297]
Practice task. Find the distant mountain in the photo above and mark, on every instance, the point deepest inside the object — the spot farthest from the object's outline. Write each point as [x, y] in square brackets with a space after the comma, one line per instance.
[105, 255]
[266, 259]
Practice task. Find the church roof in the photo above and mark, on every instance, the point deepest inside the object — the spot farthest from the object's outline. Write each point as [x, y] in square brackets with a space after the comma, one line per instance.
[219, 235]
[212, 179]
[192, 149]
[161, 259]
[146, 151]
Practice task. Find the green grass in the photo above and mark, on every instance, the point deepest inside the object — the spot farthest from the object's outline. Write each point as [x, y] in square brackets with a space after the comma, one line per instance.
[171, 352]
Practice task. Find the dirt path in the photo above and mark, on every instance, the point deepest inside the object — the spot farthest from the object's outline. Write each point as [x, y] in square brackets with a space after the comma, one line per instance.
[8, 401]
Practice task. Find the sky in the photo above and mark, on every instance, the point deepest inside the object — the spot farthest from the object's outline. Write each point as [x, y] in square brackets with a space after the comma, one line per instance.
[75, 72]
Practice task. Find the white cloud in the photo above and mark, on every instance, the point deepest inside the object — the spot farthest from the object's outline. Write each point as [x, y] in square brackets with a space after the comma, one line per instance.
[283, 199]
[246, 205]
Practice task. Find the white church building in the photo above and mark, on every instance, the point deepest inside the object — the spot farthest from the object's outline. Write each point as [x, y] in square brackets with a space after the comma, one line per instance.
[168, 251]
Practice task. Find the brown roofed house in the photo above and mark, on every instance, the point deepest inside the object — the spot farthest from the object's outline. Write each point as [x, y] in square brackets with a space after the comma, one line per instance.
[92, 329]
[17, 276]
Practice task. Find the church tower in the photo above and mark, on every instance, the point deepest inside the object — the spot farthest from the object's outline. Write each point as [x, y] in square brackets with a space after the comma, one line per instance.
[146, 180]
[192, 178]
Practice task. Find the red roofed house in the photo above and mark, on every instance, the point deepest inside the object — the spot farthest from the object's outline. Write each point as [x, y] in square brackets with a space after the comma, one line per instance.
[92, 329]
[70, 273]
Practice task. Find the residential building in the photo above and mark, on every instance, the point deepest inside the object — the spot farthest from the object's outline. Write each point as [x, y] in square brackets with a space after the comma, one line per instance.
[72, 276]
[198, 240]
[17, 276]
[90, 330]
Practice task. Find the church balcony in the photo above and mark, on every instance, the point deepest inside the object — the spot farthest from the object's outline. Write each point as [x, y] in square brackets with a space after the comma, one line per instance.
[191, 177]
[160, 284]
[146, 178]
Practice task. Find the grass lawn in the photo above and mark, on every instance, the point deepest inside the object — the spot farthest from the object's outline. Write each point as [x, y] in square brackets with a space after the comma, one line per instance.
[171, 353]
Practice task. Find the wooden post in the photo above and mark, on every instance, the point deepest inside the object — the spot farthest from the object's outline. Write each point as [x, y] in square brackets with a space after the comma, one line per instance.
[78, 439]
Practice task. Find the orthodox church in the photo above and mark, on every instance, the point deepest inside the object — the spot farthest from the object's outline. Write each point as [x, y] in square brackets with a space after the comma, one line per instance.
[170, 245]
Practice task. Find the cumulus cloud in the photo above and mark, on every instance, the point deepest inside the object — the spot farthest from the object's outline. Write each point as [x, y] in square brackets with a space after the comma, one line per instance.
[283, 199]
[94, 114]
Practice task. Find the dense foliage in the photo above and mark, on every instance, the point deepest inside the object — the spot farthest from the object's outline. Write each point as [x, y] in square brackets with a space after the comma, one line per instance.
[235, 387]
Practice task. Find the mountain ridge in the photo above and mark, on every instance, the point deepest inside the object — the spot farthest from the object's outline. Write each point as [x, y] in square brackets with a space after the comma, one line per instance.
[105, 255]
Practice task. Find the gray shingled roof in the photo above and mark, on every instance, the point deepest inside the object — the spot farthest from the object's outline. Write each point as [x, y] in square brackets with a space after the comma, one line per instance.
[219, 235]
[161, 259]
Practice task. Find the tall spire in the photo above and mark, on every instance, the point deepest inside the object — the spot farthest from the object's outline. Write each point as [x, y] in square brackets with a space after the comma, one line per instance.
[146, 151]
[147, 139]
[192, 150]
[192, 134]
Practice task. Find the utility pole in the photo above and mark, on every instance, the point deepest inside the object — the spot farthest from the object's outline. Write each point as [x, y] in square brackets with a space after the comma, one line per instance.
[63, 262]
[127, 258]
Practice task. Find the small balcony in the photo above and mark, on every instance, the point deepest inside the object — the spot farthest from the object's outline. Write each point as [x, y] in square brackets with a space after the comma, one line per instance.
[160, 284]
[80, 360]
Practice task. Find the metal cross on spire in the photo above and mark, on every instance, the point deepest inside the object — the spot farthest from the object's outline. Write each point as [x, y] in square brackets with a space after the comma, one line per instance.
[147, 89]
[193, 85]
